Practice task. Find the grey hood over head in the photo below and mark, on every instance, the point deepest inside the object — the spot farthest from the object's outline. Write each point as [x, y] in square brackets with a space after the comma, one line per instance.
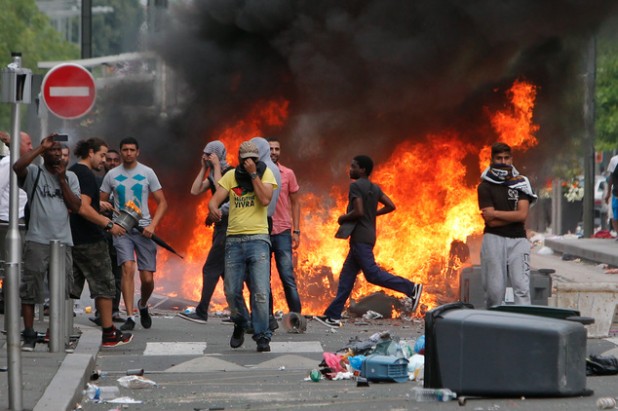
[264, 149]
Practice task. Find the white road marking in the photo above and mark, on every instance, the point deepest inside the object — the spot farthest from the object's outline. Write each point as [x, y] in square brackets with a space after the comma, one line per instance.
[175, 348]
[295, 347]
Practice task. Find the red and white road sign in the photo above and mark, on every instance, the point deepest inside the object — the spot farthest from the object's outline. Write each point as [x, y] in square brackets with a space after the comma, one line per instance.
[69, 91]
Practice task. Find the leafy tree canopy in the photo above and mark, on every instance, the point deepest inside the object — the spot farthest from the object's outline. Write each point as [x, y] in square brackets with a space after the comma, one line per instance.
[117, 31]
[607, 89]
[23, 28]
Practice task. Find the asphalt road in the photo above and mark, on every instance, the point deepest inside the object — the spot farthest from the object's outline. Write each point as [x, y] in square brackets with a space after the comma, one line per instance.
[194, 368]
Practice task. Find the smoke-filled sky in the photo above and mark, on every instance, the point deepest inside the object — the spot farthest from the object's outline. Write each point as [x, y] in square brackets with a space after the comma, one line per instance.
[357, 71]
[361, 76]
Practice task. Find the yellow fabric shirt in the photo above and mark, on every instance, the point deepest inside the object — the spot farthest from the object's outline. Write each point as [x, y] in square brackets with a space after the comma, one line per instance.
[247, 214]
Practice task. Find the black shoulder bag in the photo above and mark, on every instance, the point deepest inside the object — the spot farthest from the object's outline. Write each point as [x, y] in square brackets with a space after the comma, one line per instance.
[31, 198]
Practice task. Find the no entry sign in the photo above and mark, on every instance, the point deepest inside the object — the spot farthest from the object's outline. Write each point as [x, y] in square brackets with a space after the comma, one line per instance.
[69, 91]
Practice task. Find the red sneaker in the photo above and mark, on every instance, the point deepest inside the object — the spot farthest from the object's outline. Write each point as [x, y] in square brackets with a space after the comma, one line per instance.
[116, 338]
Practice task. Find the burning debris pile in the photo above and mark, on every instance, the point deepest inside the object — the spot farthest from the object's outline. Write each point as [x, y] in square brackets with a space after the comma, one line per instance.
[423, 87]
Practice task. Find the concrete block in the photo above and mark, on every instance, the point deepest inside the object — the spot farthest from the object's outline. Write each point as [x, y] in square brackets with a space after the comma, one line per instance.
[471, 287]
[596, 300]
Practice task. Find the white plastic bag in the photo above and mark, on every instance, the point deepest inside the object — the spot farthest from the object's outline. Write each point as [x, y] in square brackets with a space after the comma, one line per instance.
[135, 381]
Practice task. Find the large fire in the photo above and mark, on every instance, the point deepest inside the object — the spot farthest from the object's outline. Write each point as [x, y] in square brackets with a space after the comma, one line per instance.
[436, 211]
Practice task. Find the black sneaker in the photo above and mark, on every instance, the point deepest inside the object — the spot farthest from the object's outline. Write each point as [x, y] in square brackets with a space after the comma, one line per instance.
[116, 338]
[238, 336]
[117, 318]
[96, 320]
[195, 317]
[128, 325]
[263, 344]
[30, 336]
[144, 316]
[331, 322]
[416, 296]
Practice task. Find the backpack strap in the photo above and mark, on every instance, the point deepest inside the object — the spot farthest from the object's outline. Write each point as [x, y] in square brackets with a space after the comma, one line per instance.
[36, 183]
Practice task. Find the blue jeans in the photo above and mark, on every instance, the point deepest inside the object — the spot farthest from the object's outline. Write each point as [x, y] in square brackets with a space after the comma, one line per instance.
[282, 249]
[248, 255]
[360, 257]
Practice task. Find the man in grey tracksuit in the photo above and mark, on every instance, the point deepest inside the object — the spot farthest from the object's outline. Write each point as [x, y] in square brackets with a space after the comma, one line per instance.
[504, 198]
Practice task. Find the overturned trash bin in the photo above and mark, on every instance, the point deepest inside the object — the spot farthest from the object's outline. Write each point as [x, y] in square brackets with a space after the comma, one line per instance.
[491, 353]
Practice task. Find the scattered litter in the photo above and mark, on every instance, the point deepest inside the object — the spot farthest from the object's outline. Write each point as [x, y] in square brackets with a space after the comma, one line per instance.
[356, 362]
[416, 367]
[101, 393]
[602, 234]
[601, 365]
[611, 271]
[372, 315]
[343, 376]
[294, 323]
[568, 257]
[315, 375]
[385, 368]
[135, 381]
[362, 382]
[333, 361]
[125, 400]
[282, 368]
[419, 346]
[537, 238]
[606, 403]
[545, 251]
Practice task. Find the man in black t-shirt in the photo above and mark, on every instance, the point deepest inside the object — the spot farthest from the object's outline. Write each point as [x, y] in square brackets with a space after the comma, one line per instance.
[91, 260]
[504, 198]
[362, 210]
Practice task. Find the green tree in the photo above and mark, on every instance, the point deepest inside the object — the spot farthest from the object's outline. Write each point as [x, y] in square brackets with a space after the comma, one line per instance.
[607, 88]
[23, 28]
[117, 31]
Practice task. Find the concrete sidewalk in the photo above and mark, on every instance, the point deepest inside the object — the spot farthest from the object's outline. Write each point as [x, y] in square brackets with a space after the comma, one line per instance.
[55, 381]
[52, 381]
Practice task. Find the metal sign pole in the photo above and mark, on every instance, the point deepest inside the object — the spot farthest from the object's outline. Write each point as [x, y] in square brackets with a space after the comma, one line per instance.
[16, 89]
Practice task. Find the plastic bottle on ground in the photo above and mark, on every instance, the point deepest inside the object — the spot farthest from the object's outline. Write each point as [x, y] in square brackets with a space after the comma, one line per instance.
[606, 403]
[102, 393]
[189, 310]
[433, 394]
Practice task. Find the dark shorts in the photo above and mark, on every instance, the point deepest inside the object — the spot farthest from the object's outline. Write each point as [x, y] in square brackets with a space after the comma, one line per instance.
[36, 267]
[132, 244]
[91, 263]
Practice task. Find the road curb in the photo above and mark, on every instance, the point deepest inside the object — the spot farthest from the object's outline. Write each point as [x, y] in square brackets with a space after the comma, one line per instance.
[66, 388]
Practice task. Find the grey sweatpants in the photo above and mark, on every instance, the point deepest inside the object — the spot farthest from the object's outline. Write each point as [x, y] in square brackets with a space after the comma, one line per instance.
[505, 259]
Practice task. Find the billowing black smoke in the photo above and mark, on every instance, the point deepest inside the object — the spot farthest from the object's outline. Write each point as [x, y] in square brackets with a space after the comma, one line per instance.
[360, 70]
[362, 75]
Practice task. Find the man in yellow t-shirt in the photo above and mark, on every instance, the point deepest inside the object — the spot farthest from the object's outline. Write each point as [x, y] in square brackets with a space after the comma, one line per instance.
[247, 249]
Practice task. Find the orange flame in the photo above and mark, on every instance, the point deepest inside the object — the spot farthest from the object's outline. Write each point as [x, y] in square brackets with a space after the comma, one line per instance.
[514, 125]
[436, 211]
